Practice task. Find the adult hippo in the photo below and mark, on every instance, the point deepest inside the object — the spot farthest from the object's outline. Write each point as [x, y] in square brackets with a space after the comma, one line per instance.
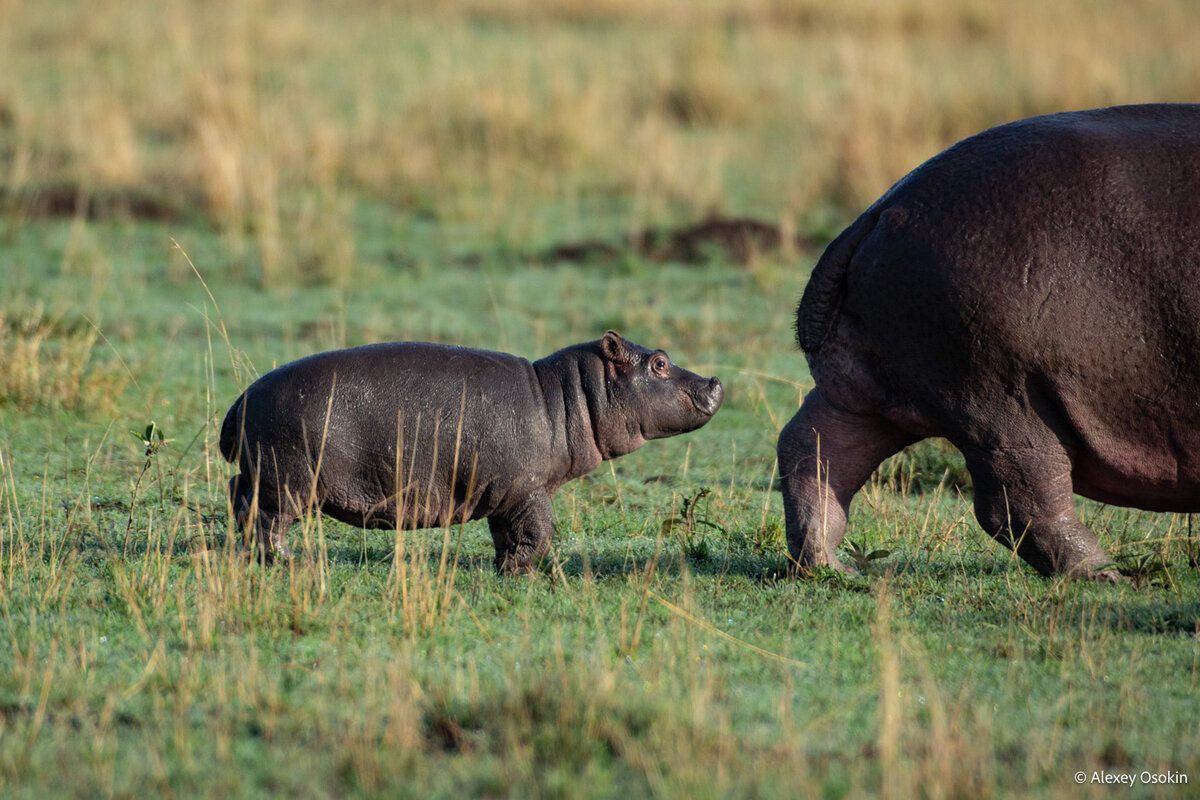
[1032, 294]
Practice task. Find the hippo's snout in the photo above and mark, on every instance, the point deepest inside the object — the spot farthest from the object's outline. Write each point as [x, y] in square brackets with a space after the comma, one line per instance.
[708, 398]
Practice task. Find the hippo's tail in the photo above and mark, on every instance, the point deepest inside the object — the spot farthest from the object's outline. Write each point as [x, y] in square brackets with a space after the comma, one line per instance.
[817, 312]
[231, 429]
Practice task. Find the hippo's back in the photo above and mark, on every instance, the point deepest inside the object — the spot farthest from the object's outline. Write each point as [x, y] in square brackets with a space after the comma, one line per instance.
[442, 415]
[376, 384]
[1047, 269]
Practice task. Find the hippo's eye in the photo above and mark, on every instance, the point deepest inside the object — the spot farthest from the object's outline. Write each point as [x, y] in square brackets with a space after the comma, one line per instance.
[660, 365]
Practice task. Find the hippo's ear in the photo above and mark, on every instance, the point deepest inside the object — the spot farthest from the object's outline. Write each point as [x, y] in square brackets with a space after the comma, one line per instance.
[615, 348]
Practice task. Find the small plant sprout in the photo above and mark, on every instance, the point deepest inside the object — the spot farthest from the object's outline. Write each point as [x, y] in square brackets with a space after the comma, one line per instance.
[860, 555]
[690, 522]
[153, 440]
[1144, 569]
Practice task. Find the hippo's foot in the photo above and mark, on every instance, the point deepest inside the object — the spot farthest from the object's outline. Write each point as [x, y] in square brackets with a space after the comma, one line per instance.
[269, 537]
[522, 537]
[258, 554]
[265, 549]
[1024, 498]
[825, 456]
[1106, 576]
[275, 552]
[509, 566]
[797, 570]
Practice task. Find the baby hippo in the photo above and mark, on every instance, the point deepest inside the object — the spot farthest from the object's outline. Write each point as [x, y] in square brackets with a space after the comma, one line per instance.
[417, 435]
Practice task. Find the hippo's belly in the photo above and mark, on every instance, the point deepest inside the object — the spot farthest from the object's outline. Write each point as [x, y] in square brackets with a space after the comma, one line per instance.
[444, 479]
[418, 507]
[1145, 456]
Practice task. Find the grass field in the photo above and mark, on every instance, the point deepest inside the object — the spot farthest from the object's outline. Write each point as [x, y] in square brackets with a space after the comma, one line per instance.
[193, 193]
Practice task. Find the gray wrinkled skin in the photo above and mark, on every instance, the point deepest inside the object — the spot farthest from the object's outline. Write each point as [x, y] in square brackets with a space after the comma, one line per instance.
[1032, 294]
[424, 435]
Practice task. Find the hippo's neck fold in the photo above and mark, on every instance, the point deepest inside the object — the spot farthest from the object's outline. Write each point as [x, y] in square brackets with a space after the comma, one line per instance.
[572, 394]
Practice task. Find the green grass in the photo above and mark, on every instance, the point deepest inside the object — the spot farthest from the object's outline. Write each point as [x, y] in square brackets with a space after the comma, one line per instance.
[661, 652]
[188, 198]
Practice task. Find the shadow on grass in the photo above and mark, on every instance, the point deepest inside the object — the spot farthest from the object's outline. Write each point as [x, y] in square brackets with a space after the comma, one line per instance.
[760, 567]
[982, 590]
[1150, 616]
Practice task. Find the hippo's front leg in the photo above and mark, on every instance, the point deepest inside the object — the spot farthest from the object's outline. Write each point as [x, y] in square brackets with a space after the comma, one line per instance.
[825, 456]
[523, 536]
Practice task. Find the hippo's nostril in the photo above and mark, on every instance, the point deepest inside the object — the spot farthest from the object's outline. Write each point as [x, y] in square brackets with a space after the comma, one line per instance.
[708, 400]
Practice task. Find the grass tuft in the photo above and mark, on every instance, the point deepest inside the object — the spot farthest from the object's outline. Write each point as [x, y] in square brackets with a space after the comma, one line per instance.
[54, 364]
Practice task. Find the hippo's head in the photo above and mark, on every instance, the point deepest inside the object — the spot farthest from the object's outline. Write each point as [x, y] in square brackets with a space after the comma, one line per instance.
[647, 397]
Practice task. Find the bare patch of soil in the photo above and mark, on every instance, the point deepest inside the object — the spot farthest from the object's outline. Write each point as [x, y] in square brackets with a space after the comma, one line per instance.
[736, 239]
[70, 200]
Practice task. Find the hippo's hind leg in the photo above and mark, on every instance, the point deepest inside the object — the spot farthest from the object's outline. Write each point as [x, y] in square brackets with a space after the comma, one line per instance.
[523, 536]
[1024, 498]
[825, 456]
[264, 517]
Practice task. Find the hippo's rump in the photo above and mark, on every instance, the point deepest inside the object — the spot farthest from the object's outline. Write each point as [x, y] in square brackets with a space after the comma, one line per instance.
[1046, 269]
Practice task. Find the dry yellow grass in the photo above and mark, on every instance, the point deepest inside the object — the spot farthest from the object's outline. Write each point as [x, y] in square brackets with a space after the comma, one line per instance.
[531, 120]
[47, 363]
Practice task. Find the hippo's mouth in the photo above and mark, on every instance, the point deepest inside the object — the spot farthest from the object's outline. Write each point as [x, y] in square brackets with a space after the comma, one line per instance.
[707, 399]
